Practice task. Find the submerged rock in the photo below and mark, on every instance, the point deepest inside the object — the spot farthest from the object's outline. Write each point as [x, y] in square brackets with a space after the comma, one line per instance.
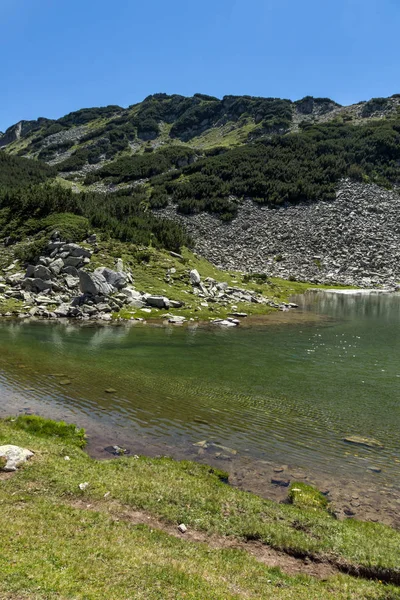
[358, 440]
[14, 456]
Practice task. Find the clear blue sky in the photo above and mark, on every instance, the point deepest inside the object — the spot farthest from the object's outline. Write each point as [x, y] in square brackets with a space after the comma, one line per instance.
[61, 55]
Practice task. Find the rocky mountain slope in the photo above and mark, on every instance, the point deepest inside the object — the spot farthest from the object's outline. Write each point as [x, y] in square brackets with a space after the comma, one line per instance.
[305, 190]
[352, 240]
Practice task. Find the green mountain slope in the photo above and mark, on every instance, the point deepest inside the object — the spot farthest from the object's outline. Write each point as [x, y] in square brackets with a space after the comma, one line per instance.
[203, 153]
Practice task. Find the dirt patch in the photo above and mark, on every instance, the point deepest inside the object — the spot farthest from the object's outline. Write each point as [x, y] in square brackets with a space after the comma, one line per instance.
[264, 554]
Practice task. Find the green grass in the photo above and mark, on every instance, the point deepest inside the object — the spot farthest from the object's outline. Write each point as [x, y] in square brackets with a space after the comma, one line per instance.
[150, 274]
[191, 493]
[306, 496]
[59, 545]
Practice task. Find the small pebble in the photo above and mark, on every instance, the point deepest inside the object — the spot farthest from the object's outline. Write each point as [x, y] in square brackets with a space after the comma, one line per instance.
[182, 528]
[83, 486]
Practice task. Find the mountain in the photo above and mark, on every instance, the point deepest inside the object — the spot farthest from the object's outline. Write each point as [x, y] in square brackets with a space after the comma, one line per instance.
[177, 156]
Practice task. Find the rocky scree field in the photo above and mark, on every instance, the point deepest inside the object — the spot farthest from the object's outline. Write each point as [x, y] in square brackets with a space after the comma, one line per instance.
[304, 190]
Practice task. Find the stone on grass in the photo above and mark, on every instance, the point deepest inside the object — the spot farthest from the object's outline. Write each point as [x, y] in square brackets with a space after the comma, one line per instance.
[182, 528]
[194, 277]
[14, 456]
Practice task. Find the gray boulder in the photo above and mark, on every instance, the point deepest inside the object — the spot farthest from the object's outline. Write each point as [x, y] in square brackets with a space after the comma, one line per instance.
[56, 266]
[157, 301]
[30, 270]
[114, 278]
[73, 261]
[35, 284]
[71, 271]
[72, 282]
[42, 272]
[93, 284]
[194, 277]
[75, 250]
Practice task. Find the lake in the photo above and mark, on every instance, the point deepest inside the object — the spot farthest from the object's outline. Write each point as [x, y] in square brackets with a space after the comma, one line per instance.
[282, 392]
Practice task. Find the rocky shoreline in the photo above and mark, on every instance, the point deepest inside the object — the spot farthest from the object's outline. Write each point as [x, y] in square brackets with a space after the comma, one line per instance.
[62, 284]
[352, 241]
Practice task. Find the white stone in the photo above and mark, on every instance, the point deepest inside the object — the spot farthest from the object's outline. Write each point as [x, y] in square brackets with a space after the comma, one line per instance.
[15, 456]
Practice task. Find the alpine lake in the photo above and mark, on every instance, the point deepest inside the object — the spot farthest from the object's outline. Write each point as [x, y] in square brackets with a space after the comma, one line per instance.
[270, 401]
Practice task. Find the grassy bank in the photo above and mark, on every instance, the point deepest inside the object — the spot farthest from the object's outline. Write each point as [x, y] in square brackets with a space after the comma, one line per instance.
[64, 542]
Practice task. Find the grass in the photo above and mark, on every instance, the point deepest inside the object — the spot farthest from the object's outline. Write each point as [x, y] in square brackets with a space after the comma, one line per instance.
[56, 550]
[150, 276]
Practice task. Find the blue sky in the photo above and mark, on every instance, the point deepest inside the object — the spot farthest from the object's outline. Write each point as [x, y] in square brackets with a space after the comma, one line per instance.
[61, 55]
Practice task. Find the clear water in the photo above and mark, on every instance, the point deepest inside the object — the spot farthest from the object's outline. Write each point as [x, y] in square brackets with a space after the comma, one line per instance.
[283, 391]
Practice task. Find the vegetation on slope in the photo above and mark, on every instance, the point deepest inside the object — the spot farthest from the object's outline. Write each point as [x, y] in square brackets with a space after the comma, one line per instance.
[66, 542]
[26, 211]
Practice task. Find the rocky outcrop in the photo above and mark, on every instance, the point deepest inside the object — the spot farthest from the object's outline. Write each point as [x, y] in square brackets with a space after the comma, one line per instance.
[353, 240]
[61, 285]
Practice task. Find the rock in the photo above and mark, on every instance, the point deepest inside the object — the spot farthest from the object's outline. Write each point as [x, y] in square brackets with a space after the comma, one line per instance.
[195, 278]
[77, 251]
[176, 319]
[224, 323]
[73, 271]
[113, 278]
[375, 469]
[176, 255]
[14, 456]
[157, 301]
[110, 391]
[358, 440]
[62, 311]
[175, 304]
[72, 282]
[72, 261]
[182, 528]
[92, 239]
[93, 284]
[84, 486]
[35, 285]
[119, 266]
[280, 482]
[56, 266]
[238, 314]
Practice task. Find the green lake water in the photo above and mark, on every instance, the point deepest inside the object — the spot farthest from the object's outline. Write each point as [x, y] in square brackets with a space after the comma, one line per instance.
[286, 390]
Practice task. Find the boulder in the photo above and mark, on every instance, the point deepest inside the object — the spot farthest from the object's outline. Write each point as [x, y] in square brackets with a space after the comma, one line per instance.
[72, 282]
[75, 250]
[35, 284]
[56, 266]
[71, 271]
[93, 284]
[133, 297]
[194, 277]
[114, 278]
[73, 261]
[42, 272]
[175, 304]
[14, 456]
[62, 311]
[157, 301]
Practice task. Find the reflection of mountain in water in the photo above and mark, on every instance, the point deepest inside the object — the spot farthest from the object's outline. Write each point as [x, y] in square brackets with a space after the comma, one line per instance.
[352, 305]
